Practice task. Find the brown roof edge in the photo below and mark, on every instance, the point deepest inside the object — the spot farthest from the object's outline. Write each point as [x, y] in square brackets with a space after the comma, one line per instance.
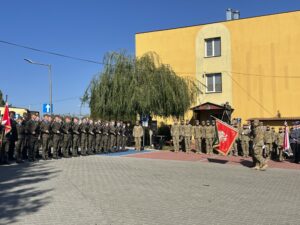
[220, 21]
[276, 119]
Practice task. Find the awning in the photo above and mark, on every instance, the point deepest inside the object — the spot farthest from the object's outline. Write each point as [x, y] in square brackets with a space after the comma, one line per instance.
[276, 119]
[209, 106]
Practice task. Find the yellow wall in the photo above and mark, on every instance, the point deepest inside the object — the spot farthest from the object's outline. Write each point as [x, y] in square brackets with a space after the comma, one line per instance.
[267, 46]
[260, 65]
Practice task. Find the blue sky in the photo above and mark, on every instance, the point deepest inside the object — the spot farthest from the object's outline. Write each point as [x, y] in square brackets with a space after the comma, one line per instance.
[88, 29]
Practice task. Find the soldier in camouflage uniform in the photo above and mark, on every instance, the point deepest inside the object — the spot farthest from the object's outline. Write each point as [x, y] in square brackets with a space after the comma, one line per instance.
[279, 142]
[67, 136]
[209, 137]
[234, 149]
[118, 136]
[83, 136]
[56, 131]
[198, 135]
[105, 138]
[181, 135]
[50, 142]
[245, 138]
[268, 140]
[258, 143]
[76, 137]
[124, 137]
[32, 127]
[45, 136]
[91, 137]
[138, 133]
[112, 136]
[188, 133]
[21, 139]
[203, 125]
[98, 133]
[175, 133]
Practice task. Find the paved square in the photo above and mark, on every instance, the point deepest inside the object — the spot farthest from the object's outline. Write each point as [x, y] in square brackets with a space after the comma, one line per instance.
[136, 191]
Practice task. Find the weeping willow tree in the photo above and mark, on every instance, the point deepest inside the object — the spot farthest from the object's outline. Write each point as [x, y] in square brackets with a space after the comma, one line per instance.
[128, 86]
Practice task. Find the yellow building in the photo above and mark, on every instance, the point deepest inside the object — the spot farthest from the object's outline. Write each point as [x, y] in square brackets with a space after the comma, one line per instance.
[252, 63]
[18, 111]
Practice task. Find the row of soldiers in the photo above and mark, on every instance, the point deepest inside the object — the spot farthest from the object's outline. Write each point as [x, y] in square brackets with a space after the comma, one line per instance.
[182, 134]
[62, 136]
[272, 140]
[205, 133]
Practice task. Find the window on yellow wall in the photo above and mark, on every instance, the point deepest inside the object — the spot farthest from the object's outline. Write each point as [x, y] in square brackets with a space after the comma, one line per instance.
[214, 83]
[213, 47]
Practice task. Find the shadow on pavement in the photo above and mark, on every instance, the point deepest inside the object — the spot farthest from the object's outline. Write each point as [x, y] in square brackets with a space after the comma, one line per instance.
[221, 161]
[247, 163]
[19, 194]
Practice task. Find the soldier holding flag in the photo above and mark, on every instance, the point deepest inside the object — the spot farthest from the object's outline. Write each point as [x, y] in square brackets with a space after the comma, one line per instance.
[5, 134]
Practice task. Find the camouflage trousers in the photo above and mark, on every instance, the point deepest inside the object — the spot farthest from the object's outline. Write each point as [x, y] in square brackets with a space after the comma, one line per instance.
[104, 143]
[20, 144]
[67, 144]
[209, 145]
[75, 144]
[198, 144]
[258, 155]
[245, 148]
[268, 150]
[119, 140]
[83, 144]
[45, 146]
[4, 151]
[56, 145]
[137, 141]
[187, 143]
[176, 143]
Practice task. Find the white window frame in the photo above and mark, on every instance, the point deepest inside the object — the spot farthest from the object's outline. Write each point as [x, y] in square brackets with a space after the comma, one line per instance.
[214, 82]
[213, 47]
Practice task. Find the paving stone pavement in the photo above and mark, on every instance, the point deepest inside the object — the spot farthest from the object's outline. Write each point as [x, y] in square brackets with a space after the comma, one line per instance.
[98, 190]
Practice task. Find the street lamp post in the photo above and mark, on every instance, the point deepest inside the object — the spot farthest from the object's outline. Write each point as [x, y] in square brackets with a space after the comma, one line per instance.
[50, 78]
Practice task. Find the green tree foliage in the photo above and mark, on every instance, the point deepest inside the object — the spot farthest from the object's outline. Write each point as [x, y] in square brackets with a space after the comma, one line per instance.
[2, 102]
[128, 86]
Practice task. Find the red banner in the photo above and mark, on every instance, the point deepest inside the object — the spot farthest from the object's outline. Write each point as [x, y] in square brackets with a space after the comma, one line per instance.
[6, 120]
[226, 135]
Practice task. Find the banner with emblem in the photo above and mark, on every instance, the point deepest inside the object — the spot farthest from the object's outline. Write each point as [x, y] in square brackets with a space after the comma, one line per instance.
[226, 135]
[6, 120]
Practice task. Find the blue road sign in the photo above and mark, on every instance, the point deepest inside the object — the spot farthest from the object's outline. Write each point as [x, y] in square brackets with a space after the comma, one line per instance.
[47, 108]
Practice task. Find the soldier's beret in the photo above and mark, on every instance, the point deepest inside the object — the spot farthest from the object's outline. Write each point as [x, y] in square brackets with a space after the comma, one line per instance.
[280, 128]
[207, 121]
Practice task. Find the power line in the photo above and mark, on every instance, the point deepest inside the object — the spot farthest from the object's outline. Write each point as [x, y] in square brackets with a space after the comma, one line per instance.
[247, 92]
[52, 53]
[55, 101]
[246, 74]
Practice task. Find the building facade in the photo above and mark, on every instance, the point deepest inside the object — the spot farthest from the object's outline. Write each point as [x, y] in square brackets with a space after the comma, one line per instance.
[252, 63]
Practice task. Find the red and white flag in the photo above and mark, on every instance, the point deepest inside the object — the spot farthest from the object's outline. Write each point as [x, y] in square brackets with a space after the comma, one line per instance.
[6, 120]
[226, 135]
[286, 141]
